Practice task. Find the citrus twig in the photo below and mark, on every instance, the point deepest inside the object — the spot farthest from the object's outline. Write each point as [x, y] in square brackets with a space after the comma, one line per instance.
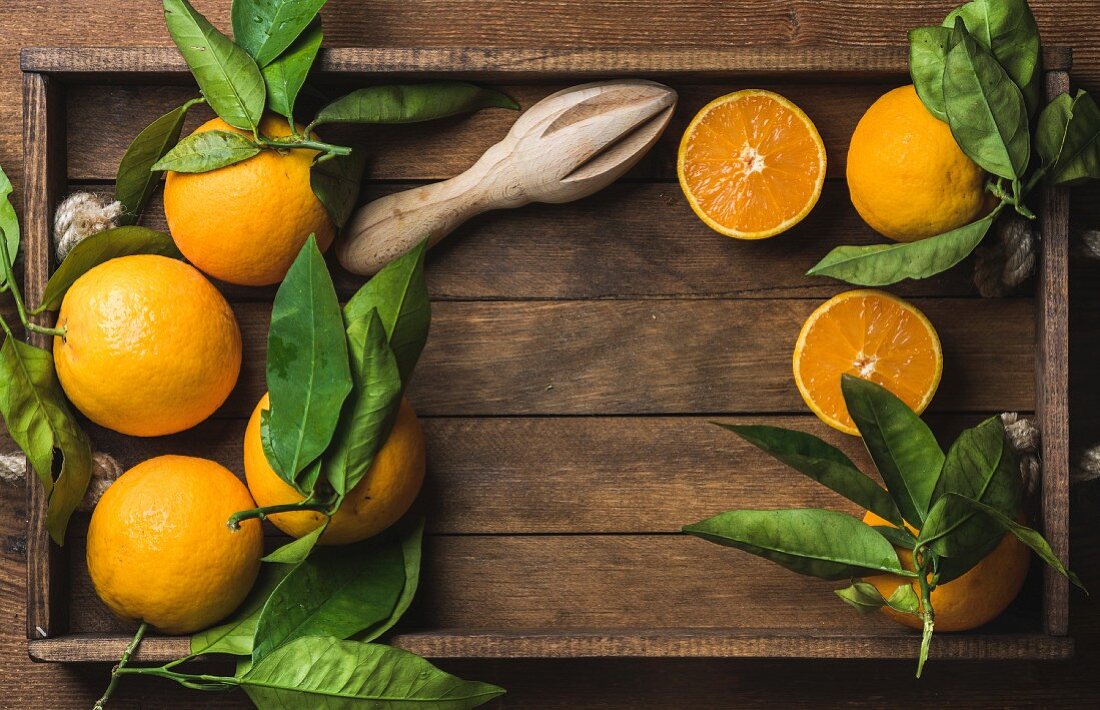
[305, 143]
[17, 297]
[236, 519]
[118, 669]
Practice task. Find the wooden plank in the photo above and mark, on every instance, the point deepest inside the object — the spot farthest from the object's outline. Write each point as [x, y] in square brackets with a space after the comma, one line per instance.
[649, 244]
[43, 163]
[832, 62]
[443, 148]
[668, 643]
[563, 583]
[1052, 386]
[498, 358]
[574, 474]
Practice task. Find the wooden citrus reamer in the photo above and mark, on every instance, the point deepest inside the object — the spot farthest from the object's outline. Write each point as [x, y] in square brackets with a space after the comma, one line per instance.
[567, 146]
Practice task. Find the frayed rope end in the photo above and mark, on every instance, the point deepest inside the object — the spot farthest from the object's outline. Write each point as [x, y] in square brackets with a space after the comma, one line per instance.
[79, 216]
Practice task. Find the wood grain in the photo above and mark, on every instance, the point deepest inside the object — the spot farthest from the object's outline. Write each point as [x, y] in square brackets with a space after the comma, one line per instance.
[496, 358]
[574, 474]
[1052, 387]
[409, 152]
[649, 244]
[43, 128]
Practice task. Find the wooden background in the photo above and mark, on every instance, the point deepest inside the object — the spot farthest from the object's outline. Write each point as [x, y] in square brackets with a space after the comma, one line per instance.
[564, 23]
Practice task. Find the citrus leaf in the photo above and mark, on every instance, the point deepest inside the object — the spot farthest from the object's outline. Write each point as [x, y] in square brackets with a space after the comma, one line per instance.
[371, 408]
[821, 462]
[337, 182]
[986, 111]
[336, 591]
[818, 543]
[411, 543]
[885, 264]
[898, 537]
[904, 600]
[286, 75]
[265, 28]
[228, 78]
[980, 465]
[1068, 139]
[298, 550]
[1008, 29]
[206, 151]
[411, 103]
[308, 377]
[40, 422]
[321, 671]
[9, 223]
[135, 181]
[951, 511]
[100, 248]
[235, 636]
[927, 56]
[861, 596]
[400, 295]
[902, 446]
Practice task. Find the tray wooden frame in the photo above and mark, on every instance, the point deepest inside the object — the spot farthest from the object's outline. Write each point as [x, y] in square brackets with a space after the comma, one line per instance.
[47, 72]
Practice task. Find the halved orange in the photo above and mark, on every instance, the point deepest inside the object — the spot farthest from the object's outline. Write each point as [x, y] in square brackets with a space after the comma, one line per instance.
[751, 164]
[873, 335]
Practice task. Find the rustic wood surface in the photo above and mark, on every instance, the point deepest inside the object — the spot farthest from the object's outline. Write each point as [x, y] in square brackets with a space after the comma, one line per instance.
[585, 683]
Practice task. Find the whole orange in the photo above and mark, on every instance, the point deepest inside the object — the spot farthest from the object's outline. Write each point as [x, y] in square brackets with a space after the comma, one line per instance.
[907, 176]
[375, 503]
[971, 600]
[150, 346]
[245, 223]
[159, 549]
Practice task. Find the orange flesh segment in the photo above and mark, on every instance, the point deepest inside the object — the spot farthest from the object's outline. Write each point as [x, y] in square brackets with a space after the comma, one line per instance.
[753, 164]
[871, 335]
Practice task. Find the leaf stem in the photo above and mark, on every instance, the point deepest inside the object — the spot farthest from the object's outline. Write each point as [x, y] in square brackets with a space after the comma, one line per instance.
[236, 519]
[120, 668]
[927, 613]
[302, 142]
[17, 297]
[195, 682]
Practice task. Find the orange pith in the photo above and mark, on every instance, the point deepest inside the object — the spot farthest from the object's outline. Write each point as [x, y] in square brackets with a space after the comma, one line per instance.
[751, 164]
[869, 334]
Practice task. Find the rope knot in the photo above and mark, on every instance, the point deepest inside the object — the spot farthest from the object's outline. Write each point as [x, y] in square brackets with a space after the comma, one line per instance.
[1008, 262]
[79, 216]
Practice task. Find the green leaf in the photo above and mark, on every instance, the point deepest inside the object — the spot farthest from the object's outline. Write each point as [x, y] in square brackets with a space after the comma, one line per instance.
[308, 376]
[40, 422]
[901, 445]
[265, 28]
[135, 182]
[411, 103]
[904, 600]
[286, 75]
[885, 264]
[9, 222]
[411, 543]
[898, 537]
[235, 636]
[927, 58]
[336, 591]
[209, 150]
[980, 465]
[400, 295]
[952, 510]
[818, 543]
[823, 463]
[985, 109]
[862, 596]
[99, 248]
[298, 550]
[1008, 29]
[320, 671]
[337, 182]
[371, 409]
[227, 76]
[1068, 139]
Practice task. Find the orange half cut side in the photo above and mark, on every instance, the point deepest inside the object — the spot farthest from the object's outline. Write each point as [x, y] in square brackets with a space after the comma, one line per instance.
[869, 334]
[751, 164]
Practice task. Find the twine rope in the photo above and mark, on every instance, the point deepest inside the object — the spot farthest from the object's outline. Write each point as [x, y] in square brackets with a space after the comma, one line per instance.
[79, 216]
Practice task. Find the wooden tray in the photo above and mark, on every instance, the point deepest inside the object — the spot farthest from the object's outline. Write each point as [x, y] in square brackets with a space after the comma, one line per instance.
[577, 353]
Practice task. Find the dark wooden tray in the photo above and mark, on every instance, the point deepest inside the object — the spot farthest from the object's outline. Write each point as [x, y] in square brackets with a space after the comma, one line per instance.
[577, 353]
